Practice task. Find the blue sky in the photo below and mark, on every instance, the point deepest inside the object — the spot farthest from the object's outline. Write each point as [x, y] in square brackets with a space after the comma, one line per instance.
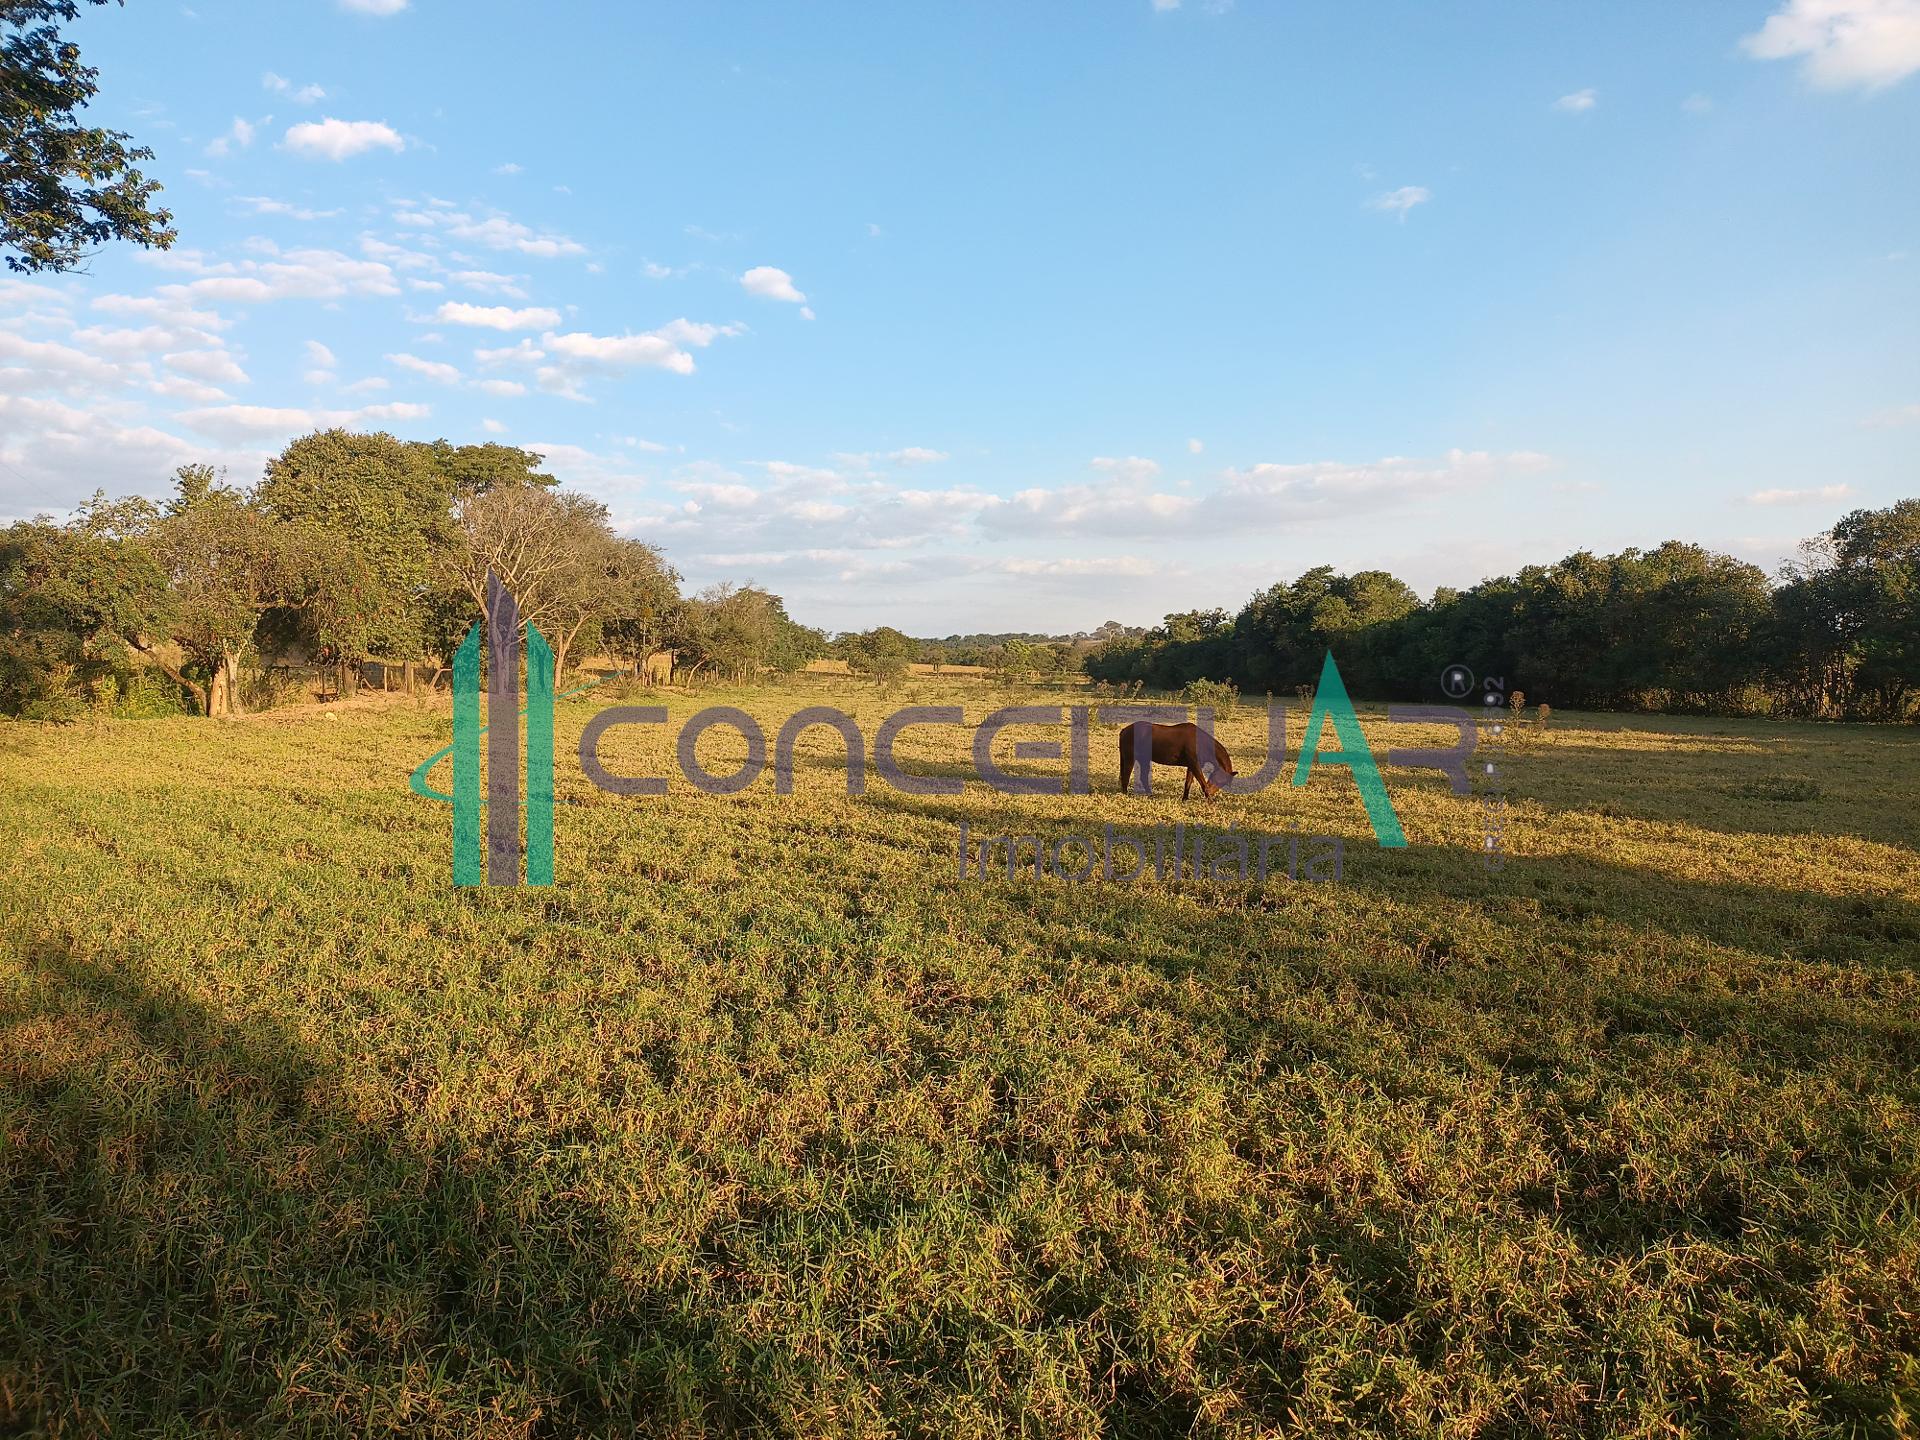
[1013, 316]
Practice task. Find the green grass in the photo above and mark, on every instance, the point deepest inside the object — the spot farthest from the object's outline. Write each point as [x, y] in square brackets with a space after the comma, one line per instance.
[762, 1121]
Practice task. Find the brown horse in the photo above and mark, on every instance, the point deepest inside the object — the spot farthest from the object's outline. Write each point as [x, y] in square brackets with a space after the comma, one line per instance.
[1175, 745]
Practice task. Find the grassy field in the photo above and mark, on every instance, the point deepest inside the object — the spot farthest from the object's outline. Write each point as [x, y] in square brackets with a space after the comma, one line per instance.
[763, 1120]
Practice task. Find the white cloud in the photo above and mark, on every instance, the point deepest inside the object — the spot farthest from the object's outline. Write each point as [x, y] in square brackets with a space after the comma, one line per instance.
[52, 455]
[496, 232]
[432, 369]
[318, 354]
[215, 367]
[493, 427]
[620, 351]
[1578, 101]
[302, 95]
[305, 274]
[265, 205]
[1164, 5]
[505, 388]
[507, 168]
[336, 140]
[1898, 415]
[578, 355]
[261, 421]
[239, 136]
[496, 317]
[771, 284]
[381, 8]
[490, 283]
[1194, 447]
[48, 365]
[523, 352]
[397, 256]
[1868, 43]
[1127, 565]
[1697, 104]
[1800, 497]
[164, 311]
[1134, 469]
[1399, 202]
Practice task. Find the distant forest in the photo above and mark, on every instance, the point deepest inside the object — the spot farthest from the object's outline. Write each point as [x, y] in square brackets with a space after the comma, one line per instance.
[1678, 628]
[358, 549]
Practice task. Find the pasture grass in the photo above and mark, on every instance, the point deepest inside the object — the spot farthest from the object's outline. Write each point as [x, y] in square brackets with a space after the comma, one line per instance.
[761, 1120]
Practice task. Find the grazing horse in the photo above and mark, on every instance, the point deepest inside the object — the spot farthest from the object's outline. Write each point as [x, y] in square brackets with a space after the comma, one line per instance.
[1175, 745]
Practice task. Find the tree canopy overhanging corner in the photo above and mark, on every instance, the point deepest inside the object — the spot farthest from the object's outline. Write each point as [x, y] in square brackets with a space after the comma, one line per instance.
[66, 188]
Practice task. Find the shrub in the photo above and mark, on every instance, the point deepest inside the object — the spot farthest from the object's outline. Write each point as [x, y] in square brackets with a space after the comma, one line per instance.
[1215, 694]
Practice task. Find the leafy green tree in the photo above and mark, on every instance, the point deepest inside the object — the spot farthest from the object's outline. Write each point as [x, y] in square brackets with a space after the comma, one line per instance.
[883, 653]
[75, 601]
[738, 630]
[475, 469]
[643, 601]
[383, 508]
[228, 562]
[65, 188]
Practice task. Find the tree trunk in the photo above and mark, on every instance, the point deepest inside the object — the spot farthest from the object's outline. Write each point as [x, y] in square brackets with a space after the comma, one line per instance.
[227, 680]
[201, 693]
[406, 678]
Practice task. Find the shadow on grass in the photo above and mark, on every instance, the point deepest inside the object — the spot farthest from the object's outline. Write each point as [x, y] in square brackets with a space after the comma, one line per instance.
[202, 1240]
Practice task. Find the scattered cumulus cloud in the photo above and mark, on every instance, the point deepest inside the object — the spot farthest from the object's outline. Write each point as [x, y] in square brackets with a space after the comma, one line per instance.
[1398, 202]
[490, 283]
[1133, 470]
[337, 140]
[299, 94]
[1800, 497]
[382, 8]
[435, 370]
[1869, 44]
[494, 231]
[266, 423]
[771, 283]
[496, 317]
[1578, 102]
[304, 274]
[266, 205]
[239, 136]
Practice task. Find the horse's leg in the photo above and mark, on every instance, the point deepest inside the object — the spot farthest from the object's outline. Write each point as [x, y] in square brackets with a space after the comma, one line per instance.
[1126, 763]
[1186, 790]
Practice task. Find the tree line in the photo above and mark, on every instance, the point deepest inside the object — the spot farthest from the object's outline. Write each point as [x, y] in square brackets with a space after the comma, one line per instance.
[356, 547]
[1676, 628]
[350, 547]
